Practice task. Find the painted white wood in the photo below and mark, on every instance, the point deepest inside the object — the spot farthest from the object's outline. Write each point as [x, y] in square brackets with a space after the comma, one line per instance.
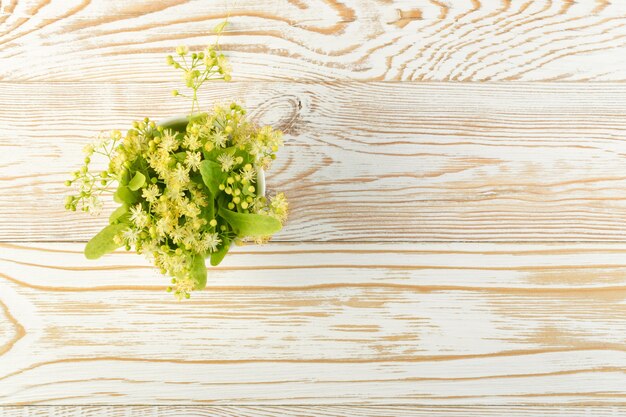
[309, 411]
[331, 328]
[362, 162]
[315, 40]
[427, 324]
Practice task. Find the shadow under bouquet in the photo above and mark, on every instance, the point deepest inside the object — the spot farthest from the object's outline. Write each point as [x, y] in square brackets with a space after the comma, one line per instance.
[188, 187]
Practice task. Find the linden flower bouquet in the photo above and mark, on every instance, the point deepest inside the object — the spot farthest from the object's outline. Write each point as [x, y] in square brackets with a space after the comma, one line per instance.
[188, 188]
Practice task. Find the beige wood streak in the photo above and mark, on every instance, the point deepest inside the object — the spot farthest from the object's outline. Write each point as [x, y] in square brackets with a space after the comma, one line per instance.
[362, 161]
[429, 324]
[435, 40]
[309, 411]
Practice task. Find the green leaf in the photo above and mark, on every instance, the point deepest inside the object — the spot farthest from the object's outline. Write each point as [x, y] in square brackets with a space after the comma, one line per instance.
[180, 156]
[198, 272]
[210, 209]
[137, 182]
[124, 195]
[103, 242]
[212, 175]
[119, 212]
[231, 150]
[250, 224]
[217, 257]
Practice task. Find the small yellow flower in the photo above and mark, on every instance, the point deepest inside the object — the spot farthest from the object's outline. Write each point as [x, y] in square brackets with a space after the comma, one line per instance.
[227, 161]
[193, 160]
[181, 174]
[191, 142]
[209, 242]
[138, 216]
[151, 193]
[168, 141]
[248, 173]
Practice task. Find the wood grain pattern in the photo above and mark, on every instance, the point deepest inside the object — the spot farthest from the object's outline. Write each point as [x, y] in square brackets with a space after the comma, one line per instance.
[362, 162]
[313, 40]
[381, 147]
[455, 324]
[308, 411]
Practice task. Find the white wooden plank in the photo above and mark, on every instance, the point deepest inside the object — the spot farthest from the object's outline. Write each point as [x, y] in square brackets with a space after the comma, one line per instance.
[309, 411]
[427, 324]
[462, 40]
[362, 162]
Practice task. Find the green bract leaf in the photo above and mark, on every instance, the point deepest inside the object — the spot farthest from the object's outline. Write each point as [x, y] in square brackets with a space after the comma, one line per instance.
[103, 242]
[212, 175]
[125, 177]
[219, 28]
[198, 272]
[124, 195]
[137, 182]
[119, 212]
[216, 257]
[250, 224]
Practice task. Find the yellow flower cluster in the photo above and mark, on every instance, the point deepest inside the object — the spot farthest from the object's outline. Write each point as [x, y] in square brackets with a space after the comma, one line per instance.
[187, 189]
[170, 211]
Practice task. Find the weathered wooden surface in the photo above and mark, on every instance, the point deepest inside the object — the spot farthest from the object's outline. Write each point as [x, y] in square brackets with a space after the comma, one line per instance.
[381, 147]
[309, 411]
[362, 162]
[319, 324]
[314, 40]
